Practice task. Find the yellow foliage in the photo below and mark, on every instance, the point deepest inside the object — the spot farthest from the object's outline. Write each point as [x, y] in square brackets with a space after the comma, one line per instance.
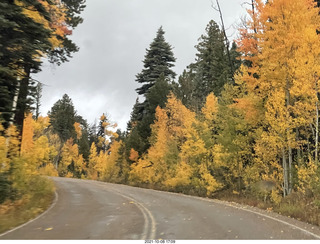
[13, 142]
[93, 160]
[100, 166]
[78, 129]
[27, 135]
[69, 154]
[103, 117]
[48, 170]
[41, 151]
[134, 155]
[69, 175]
[307, 176]
[154, 160]
[276, 196]
[40, 125]
[112, 169]
[182, 176]
[141, 172]
[219, 156]
[57, 25]
[79, 165]
[210, 108]
[207, 180]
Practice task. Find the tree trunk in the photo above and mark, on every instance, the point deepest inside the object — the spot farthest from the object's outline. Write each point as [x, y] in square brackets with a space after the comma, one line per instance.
[22, 99]
[317, 134]
[227, 44]
[13, 111]
[285, 173]
[299, 153]
[290, 171]
[15, 101]
[254, 18]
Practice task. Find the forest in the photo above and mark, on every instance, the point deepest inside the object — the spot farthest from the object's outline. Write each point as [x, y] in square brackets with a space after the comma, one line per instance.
[240, 123]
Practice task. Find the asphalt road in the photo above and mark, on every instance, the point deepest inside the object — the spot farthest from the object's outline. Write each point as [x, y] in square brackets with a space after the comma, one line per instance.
[96, 210]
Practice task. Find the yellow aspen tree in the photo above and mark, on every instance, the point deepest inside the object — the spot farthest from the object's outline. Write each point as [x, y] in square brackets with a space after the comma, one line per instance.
[93, 160]
[28, 150]
[159, 147]
[284, 74]
[152, 167]
[210, 109]
[55, 147]
[46, 146]
[69, 154]
[291, 42]
[35, 147]
[79, 166]
[78, 130]
[207, 180]
[105, 132]
[27, 135]
[40, 125]
[101, 163]
[182, 177]
[111, 173]
[188, 131]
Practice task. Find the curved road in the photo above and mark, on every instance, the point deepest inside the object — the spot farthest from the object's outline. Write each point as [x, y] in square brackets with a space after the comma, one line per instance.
[97, 210]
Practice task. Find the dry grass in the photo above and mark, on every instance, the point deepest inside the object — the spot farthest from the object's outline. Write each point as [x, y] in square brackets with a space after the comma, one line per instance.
[15, 213]
[296, 205]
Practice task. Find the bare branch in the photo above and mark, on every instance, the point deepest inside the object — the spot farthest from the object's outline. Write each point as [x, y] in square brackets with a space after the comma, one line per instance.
[227, 43]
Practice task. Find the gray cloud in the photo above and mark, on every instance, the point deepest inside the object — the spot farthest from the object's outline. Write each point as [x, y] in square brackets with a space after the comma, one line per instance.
[113, 41]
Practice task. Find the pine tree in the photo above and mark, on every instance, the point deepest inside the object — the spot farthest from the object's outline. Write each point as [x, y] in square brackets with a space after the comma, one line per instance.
[156, 77]
[31, 30]
[185, 88]
[158, 61]
[212, 66]
[22, 38]
[62, 118]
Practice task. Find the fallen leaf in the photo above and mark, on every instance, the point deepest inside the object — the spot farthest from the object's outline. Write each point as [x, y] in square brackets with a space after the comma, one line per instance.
[49, 228]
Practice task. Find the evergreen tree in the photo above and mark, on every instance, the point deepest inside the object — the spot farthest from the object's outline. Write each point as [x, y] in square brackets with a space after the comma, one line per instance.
[62, 118]
[73, 19]
[157, 96]
[158, 60]
[212, 68]
[135, 116]
[185, 88]
[157, 78]
[22, 39]
[30, 30]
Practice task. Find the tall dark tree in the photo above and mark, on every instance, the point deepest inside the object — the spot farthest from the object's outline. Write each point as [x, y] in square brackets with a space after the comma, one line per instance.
[37, 98]
[156, 78]
[62, 118]
[211, 67]
[23, 41]
[135, 116]
[140, 129]
[185, 89]
[158, 60]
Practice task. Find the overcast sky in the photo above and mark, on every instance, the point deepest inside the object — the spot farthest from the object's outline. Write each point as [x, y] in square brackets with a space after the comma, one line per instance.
[113, 38]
